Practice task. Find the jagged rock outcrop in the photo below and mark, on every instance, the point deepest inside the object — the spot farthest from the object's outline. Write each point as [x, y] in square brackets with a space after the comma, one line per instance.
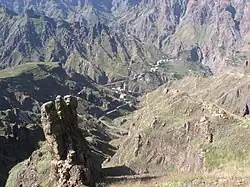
[24, 89]
[71, 163]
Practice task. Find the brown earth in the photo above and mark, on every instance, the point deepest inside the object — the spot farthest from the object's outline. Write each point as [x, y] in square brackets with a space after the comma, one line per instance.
[187, 129]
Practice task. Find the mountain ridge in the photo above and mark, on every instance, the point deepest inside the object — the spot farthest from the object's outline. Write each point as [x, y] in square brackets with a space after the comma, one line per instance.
[139, 76]
[95, 50]
[216, 31]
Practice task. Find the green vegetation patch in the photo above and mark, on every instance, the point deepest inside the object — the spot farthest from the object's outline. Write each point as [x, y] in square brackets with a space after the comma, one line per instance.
[180, 181]
[43, 170]
[14, 174]
[231, 151]
[38, 69]
[42, 165]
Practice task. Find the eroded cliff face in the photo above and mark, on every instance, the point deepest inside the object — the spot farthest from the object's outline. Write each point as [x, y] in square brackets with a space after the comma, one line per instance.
[71, 163]
[218, 28]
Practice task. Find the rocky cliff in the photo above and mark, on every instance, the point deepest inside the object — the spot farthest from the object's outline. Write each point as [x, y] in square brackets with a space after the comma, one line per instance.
[71, 162]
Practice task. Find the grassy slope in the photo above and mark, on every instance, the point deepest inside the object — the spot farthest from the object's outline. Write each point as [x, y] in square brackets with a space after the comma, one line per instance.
[32, 67]
[41, 165]
[184, 180]
[227, 159]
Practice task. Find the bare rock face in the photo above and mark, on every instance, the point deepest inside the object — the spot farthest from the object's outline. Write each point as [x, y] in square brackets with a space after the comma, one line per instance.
[71, 164]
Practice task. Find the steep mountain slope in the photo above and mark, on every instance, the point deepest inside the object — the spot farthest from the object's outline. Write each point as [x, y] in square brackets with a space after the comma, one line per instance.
[215, 33]
[192, 140]
[25, 87]
[216, 29]
[228, 90]
[173, 131]
[62, 8]
[30, 37]
[95, 50]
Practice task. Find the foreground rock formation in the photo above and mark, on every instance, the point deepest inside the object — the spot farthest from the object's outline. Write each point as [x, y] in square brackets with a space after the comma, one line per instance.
[71, 164]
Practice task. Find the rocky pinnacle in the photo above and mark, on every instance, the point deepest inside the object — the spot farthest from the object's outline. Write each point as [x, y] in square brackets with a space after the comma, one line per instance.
[71, 163]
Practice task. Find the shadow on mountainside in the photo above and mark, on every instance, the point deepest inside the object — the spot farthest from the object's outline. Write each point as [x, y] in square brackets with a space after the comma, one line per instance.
[16, 149]
[124, 173]
[118, 171]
